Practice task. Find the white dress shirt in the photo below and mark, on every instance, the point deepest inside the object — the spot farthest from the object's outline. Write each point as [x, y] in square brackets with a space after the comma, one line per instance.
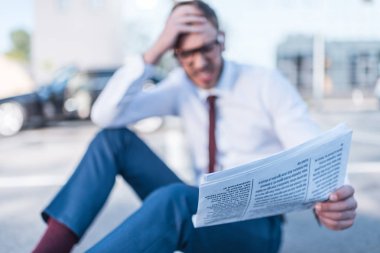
[258, 112]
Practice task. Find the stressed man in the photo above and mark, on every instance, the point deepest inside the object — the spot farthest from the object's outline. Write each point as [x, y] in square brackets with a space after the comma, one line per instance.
[231, 113]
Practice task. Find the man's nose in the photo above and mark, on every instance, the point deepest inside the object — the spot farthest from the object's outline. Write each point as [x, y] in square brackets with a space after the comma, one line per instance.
[199, 61]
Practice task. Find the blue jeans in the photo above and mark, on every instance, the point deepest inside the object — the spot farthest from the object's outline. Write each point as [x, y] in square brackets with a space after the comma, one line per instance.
[163, 223]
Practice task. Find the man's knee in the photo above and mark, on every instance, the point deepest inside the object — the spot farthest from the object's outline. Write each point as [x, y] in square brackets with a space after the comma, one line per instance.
[114, 137]
[111, 141]
[114, 134]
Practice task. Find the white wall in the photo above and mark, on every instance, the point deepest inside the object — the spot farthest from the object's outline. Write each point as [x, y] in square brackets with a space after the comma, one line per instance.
[86, 33]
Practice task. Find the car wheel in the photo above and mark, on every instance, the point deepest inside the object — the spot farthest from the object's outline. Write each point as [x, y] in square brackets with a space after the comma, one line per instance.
[12, 117]
[80, 104]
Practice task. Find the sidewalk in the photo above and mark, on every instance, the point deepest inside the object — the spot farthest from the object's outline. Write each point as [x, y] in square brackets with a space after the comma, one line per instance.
[54, 152]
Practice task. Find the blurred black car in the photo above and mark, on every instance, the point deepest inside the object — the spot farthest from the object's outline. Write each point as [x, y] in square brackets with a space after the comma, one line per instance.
[69, 95]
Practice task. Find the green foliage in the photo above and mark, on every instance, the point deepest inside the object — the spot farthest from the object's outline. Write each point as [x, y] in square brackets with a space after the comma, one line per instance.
[20, 50]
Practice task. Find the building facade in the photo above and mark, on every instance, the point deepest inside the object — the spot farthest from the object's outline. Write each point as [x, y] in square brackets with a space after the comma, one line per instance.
[84, 33]
[348, 65]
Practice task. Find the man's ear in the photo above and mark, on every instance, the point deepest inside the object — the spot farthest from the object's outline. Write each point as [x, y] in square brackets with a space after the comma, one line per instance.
[221, 38]
[176, 58]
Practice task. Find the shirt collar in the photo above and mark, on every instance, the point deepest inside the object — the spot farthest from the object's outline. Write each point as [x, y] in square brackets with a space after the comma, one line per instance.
[224, 84]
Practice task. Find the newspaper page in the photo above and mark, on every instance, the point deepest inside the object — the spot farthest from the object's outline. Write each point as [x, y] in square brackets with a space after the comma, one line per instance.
[292, 180]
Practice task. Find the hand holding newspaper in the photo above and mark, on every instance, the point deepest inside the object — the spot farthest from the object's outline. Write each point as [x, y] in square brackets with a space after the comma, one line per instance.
[294, 179]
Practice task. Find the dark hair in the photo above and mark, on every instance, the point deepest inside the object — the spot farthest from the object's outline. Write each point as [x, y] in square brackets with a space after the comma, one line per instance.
[206, 10]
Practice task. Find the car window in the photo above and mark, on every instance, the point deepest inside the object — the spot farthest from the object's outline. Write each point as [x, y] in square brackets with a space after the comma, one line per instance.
[61, 79]
[78, 82]
[98, 82]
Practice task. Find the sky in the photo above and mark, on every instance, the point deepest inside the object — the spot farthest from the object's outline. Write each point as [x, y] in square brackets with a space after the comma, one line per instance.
[14, 14]
[254, 28]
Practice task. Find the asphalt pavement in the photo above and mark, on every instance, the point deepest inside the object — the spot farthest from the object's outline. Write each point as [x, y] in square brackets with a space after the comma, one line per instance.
[35, 163]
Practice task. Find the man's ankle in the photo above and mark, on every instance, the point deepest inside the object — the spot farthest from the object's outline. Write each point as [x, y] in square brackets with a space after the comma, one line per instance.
[57, 238]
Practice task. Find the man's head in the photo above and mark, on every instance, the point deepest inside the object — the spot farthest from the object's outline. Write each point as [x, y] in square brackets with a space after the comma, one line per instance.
[200, 53]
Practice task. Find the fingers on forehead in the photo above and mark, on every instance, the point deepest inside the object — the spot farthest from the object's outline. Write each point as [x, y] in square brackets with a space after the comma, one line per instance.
[187, 10]
[189, 19]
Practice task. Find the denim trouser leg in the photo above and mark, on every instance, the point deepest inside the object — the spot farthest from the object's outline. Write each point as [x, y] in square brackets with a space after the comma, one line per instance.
[112, 152]
[163, 224]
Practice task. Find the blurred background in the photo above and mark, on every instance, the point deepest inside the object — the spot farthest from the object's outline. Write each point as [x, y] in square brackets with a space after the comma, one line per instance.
[57, 55]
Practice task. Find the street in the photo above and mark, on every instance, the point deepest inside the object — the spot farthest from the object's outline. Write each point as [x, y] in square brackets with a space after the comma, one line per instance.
[35, 163]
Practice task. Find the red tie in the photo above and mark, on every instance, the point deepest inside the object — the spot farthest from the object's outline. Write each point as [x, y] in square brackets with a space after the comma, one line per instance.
[211, 134]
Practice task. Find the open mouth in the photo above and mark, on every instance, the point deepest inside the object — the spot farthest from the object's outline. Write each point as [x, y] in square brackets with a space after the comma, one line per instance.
[205, 76]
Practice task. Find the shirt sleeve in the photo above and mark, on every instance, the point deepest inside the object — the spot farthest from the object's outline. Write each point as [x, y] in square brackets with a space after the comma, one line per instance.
[290, 116]
[123, 100]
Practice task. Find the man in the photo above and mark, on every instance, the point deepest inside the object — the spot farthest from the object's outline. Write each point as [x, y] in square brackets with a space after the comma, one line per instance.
[232, 114]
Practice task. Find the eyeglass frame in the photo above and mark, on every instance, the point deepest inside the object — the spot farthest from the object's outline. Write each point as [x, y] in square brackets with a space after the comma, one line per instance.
[203, 50]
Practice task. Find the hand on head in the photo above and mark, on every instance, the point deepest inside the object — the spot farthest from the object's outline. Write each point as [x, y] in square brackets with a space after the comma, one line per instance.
[183, 19]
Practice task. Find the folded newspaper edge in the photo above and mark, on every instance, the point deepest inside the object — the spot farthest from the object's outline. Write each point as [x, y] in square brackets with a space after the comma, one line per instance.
[294, 179]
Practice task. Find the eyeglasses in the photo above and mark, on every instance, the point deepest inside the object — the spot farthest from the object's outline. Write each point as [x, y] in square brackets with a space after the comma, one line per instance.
[206, 50]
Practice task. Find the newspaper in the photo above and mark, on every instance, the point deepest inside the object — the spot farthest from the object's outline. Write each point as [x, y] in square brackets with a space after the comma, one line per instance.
[292, 180]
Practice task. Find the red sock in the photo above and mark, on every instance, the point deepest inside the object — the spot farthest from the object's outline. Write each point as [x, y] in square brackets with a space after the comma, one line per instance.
[57, 238]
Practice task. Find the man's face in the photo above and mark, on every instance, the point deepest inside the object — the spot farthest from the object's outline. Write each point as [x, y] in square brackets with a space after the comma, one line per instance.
[200, 55]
